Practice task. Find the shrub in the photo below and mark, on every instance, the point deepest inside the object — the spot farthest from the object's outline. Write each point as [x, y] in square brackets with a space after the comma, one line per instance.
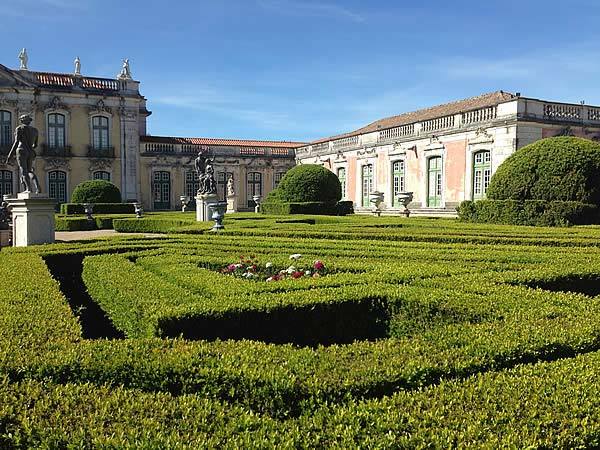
[307, 183]
[99, 208]
[528, 212]
[560, 168]
[96, 191]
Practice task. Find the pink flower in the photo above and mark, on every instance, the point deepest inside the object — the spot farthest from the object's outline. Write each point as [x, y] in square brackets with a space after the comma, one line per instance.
[319, 265]
[231, 267]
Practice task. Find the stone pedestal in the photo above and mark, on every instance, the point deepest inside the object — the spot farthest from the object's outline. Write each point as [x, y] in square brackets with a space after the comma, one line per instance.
[232, 205]
[32, 218]
[203, 213]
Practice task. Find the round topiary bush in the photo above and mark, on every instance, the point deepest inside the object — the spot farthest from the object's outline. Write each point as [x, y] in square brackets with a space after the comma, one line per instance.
[96, 191]
[308, 183]
[558, 168]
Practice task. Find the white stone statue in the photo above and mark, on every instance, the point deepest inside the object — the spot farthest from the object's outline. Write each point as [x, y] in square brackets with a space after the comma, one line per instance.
[125, 71]
[24, 59]
[230, 187]
[77, 66]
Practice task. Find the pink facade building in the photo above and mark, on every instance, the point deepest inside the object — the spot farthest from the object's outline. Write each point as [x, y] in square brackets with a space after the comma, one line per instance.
[444, 154]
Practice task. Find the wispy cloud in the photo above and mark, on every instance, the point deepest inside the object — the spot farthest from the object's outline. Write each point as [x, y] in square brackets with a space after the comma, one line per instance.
[311, 9]
[227, 103]
[42, 9]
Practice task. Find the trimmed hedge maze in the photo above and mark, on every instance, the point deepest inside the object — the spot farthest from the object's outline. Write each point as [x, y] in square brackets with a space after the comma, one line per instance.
[423, 334]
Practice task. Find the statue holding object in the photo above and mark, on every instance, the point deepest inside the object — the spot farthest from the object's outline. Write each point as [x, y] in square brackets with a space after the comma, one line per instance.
[206, 174]
[26, 140]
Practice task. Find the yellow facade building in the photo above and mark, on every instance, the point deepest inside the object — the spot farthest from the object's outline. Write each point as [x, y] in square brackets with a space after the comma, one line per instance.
[95, 128]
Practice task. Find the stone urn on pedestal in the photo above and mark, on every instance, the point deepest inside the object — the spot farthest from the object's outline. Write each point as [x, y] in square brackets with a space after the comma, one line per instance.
[184, 199]
[405, 198]
[217, 213]
[376, 198]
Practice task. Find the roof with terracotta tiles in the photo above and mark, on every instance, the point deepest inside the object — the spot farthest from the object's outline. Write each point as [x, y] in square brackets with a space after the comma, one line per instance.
[447, 109]
[223, 142]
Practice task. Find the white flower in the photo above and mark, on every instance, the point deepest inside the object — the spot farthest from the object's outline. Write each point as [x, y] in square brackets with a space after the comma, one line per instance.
[296, 256]
[307, 273]
[237, 266]
[291, 270]
[269, 279]
[269, 265]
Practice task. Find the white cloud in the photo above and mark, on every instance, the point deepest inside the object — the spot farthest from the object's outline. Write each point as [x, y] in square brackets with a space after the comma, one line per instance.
[311, 9]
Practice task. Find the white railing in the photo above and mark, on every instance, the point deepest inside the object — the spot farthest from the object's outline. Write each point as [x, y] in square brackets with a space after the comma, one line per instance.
[397, 132]
[348, 142]
[152, 147]
[562, 112]
[440, 123]
[480, 115]
[594, 114]
[320, 147]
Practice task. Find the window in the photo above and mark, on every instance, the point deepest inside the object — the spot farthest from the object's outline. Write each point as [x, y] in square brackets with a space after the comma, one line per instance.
[277, 179]
[434, 182]
[341, 174]
[100, 133]
[56, 131]
[482, 173]
[6, 183]
[57, 185]
[102, 175]
[5, 129]
[398, 181]
[161, 189]
[192, 184]
[222, 178]
[254, 187]
[367, 183]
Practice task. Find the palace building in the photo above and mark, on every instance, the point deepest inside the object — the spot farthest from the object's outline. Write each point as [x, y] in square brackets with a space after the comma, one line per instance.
[95, 128]
[444, 154]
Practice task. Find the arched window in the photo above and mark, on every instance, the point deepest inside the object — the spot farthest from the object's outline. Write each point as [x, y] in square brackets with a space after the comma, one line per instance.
[100, 134]
[5, 129]
[367, 183]
[254, 187]
[277, 178]
[192, 184]
[341, 174]
[56, 131]
[482, 173]
[161, 188]
[6, 183]
[434, 182]
[57, 185]
[101, 175]
[397, 181]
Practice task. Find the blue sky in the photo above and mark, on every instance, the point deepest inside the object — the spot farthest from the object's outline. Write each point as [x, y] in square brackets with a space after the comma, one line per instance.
[305, 69]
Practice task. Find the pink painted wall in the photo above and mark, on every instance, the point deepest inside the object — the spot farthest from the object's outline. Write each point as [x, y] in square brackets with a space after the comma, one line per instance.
[413, 175]
[456, 163]
[383, 171]
[351, 178]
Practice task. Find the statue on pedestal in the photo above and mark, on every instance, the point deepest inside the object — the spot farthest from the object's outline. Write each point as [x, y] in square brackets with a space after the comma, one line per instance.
[26, 140]
[125, 71]
[23, 59]
[206, 174]
[230, 187]
[77, 66]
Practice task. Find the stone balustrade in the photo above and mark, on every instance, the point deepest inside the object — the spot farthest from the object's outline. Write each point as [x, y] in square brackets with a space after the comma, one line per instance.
[234, 151]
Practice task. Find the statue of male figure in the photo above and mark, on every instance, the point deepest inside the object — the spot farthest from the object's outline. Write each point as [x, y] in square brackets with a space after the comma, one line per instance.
[26, 140]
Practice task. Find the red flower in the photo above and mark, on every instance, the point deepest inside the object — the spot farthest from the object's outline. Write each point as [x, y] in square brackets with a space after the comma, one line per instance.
[297, 274]
[319, 265]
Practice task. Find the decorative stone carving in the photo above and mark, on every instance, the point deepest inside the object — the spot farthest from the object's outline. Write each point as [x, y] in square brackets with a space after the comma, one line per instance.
[566, 131]
[100, 164]
[434, 144]
[56, 103]
[6, 102]
[482, 137]
[56, 164]
[100, 107]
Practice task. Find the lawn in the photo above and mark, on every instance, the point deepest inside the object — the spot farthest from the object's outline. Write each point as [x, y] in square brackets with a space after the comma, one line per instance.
[416, 333]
